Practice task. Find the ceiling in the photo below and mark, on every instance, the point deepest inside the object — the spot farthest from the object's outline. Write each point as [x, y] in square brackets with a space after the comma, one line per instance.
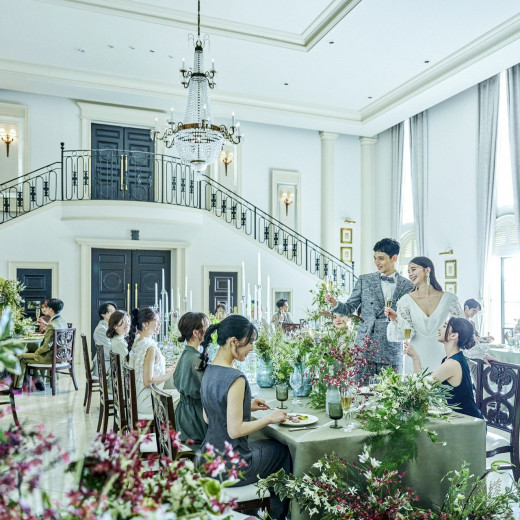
[349, 66]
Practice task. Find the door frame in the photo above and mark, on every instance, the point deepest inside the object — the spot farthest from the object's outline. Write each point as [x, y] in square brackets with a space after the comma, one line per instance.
[178, 257]
[222, 269]
[53, 266]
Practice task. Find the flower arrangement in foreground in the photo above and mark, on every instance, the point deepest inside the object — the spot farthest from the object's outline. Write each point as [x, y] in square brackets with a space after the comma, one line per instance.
[399, 410]
[112, 480]
[366, 490]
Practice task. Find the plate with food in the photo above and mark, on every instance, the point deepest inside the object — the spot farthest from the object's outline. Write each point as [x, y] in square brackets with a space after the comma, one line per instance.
[299, 419]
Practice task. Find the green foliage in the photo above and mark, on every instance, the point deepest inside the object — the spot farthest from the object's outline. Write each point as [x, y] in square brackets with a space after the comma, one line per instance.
[399, 410]
[9, 348]
[263, 346]
[319, 306]
[10, 297]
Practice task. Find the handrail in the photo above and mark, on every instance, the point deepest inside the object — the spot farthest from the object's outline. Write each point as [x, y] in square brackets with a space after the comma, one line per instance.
[171, 183]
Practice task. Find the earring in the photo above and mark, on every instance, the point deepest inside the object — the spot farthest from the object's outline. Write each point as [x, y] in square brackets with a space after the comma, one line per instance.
[428, 279]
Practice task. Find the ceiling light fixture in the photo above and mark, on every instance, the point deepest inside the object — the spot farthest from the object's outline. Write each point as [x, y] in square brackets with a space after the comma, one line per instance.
[198, 141]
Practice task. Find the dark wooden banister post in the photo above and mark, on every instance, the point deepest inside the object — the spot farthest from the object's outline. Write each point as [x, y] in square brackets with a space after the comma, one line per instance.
[62, 171]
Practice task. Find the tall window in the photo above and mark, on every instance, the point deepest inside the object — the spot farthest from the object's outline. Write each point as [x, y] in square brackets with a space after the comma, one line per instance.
[505, 248]
[407, 239]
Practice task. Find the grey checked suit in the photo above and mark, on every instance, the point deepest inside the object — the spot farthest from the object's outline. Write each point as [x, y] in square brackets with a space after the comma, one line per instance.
[367, 296]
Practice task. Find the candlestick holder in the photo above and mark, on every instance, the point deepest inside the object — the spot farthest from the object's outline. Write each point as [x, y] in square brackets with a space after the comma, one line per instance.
[185, 304]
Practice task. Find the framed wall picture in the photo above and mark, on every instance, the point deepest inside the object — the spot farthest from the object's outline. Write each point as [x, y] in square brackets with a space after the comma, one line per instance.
[451, 287]
[346, 235]
[346, 254]
[450, 269]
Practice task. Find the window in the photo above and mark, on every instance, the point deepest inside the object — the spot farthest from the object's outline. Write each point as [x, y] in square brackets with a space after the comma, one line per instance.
[510, 295]
[408, 251]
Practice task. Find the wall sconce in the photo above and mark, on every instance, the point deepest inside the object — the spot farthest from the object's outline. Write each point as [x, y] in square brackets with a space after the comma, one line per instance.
[447, 251]
[226, 158]
[287, 199]
[7, 137]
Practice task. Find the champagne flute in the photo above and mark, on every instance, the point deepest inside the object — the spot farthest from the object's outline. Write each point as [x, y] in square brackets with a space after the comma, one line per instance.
[347, 396]
[296, 382]
[388, 305]
[407, 334]
[282, 394]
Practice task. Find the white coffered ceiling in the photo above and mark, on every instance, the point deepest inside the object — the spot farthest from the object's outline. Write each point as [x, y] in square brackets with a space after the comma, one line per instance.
[275, 60]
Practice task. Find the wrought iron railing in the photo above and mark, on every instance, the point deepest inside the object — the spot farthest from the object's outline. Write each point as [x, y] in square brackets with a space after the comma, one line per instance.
[146, 177]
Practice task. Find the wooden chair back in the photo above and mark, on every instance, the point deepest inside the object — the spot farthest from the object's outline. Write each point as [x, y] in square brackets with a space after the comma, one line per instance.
[290, 327]
[164, 420]
[86, 358]
[63, 347]
[130, 396]
[103, 382]
[498, 398]
[118, 395]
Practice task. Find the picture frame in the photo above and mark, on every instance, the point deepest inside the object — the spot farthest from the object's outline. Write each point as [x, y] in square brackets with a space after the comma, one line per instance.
[451, 287]
[450, 269]
[346, 235]
[346, 254]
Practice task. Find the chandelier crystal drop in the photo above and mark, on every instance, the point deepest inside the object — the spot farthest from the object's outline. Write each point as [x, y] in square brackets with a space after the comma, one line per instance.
[198, 140]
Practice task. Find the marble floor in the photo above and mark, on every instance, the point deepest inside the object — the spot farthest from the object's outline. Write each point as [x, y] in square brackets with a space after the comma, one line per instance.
[64, 416]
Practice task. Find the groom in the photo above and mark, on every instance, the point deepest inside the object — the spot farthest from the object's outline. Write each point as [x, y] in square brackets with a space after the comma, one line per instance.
[369, 295]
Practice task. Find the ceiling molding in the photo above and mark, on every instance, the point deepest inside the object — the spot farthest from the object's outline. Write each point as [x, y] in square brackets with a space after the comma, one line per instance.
[305, 41]
[487, 44]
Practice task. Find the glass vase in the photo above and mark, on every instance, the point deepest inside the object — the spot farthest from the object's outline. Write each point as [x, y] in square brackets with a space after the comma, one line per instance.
[264, 374]
[305, 389]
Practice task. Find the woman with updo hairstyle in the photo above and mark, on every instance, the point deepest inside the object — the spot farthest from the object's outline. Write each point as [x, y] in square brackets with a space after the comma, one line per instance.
[227, 404]
[147, 360]
[457, 336]
[187, 378]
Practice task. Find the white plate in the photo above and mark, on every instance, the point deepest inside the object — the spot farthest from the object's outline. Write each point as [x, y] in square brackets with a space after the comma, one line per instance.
[311, 419]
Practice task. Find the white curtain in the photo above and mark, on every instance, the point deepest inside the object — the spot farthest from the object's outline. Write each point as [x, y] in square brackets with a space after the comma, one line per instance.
[488, 95]
[397, 133]
[419, 167]
[513, 98]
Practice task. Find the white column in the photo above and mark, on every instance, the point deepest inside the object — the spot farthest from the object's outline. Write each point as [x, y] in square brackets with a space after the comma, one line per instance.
[367, 205]
[327, 192]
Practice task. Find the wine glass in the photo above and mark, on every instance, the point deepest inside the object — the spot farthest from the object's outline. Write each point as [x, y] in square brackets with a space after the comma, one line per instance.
[282, 394]
[335, 411]
[296, 382]
[347, 396]
[388, 305]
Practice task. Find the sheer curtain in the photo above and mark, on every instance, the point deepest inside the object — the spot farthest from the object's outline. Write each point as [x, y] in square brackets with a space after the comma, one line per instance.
[513, 102]
[419, 160]
[488, 96]
[397, 178]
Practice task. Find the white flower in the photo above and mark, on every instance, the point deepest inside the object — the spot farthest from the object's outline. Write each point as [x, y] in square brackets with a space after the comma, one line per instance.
[375, 462]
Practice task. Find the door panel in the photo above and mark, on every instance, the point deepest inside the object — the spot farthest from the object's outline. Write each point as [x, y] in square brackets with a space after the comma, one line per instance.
[107, 172]
[218, 290]
[139, 165]
[38, 288]
[147, 269]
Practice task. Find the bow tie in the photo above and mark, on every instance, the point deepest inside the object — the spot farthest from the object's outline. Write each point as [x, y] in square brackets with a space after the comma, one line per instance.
[388, 279]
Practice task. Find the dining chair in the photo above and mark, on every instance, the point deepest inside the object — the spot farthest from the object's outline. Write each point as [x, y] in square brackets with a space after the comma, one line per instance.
[7, 394]
[164, 420]
[62, 359]
[290, 327]
[106, 403]
[118, 395]
[498, 398]
[92, 382]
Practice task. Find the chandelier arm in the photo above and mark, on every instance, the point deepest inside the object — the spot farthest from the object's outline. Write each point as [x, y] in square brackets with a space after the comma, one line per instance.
[198, 21]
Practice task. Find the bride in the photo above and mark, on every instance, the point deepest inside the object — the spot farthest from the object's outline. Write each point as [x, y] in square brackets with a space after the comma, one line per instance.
[421, 313]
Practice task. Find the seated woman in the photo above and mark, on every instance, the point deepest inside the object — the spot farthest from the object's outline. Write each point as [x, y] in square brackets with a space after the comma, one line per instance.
[456, 334]
[220, 312]
[187, 379]
[118, 328]
[146, 358]
[227, 404]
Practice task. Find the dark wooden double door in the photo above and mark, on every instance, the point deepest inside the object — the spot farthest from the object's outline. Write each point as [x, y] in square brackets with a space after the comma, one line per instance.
[38, 288]
[127, 278]
[219, 282]
[122, 163]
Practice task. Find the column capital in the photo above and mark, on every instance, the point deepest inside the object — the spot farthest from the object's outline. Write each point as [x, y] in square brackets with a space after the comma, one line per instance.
[328, 136]
[367, 141]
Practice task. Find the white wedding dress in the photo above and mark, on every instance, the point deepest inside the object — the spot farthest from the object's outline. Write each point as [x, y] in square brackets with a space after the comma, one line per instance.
[424, 329]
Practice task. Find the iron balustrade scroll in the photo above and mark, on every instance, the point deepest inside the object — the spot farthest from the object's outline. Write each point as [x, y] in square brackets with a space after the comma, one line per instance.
[126, 176]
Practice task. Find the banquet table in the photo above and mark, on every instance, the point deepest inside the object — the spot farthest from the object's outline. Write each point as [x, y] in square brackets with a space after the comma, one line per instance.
[505, 354]
[465, 439]
[31, 342]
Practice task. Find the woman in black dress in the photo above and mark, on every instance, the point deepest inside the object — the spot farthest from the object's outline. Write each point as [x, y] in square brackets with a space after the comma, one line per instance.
[456, 335]
[227, 404]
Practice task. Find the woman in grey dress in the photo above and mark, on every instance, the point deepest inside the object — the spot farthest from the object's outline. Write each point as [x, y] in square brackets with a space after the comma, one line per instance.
[227, 404]
[187, 379]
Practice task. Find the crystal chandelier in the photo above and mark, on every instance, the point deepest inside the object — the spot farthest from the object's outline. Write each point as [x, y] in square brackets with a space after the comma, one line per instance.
[199, 142]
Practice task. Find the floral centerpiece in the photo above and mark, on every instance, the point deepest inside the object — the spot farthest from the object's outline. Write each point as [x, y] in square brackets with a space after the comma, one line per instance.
[319, 306]
[10, 297]
[367, 490]
[399, 410]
